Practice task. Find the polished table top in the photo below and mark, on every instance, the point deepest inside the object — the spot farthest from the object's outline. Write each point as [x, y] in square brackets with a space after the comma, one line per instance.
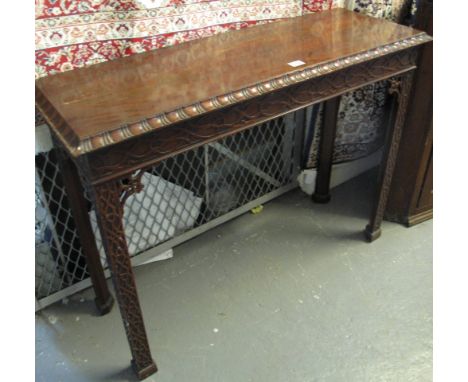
[113, 101]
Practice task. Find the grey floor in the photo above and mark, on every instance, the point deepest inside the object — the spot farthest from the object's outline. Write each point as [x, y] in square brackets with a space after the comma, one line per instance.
[290, 294]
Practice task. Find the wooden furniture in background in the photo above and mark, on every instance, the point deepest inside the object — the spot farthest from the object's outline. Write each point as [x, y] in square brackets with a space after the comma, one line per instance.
[410, 199]
[118, 119]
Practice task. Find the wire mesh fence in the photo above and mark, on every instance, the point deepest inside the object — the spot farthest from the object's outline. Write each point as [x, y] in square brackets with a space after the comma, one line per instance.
[59, 259]
[181, 196]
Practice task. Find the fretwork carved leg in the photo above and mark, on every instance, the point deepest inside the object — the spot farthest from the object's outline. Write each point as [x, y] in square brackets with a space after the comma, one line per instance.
[401, 88]
[325, 155]
[109, 211]
[78, 205]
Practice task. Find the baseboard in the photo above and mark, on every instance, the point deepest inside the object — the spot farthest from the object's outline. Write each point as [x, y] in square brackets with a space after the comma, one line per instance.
[340, 173]
[419, 218]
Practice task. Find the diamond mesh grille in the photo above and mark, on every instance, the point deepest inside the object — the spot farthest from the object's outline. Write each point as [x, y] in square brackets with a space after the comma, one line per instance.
[59, 260]
[179, 194]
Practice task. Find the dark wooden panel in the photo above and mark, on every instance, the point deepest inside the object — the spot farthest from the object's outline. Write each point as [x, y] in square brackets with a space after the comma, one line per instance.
[410, 199]
[425, 199]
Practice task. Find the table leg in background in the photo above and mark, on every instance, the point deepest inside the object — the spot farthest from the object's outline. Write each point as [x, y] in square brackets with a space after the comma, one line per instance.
[401, 88]
[78, 205]
[325, 155]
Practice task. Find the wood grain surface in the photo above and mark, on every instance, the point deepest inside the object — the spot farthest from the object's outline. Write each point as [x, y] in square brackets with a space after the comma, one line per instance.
[117, 100]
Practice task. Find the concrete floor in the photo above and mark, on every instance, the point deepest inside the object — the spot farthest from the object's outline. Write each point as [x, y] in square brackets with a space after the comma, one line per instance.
[291, 294]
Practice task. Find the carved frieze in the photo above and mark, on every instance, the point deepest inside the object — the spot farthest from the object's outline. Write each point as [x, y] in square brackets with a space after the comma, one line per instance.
[144, 151]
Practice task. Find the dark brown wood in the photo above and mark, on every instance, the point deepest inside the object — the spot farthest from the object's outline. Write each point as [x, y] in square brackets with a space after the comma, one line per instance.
[401, 87]
[410, 200]
[78, 206]
[325, 154]
[119, 118]
[109, 211]
[141, 93]
[425, 197]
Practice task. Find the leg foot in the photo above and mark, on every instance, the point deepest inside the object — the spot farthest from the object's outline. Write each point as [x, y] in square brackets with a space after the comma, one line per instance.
[144, 372]
[322, 199]
[372, 235]
[104, 307]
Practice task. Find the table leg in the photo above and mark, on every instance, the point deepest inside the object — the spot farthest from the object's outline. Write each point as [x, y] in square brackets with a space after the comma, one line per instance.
[401, 88]
[109, 211]
[79, 209]
[325, 156]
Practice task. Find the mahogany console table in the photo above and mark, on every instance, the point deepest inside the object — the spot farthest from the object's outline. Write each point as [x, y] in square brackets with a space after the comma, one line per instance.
[117, 119]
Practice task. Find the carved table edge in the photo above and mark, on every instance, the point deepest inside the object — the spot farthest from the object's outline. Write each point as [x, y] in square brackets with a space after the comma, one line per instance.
[77, 148]
[119, 161]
